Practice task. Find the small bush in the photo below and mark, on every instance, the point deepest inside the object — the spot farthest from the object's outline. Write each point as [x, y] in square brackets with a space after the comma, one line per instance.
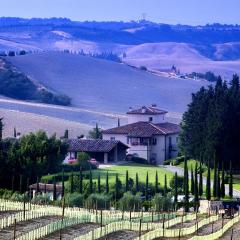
[130, 202]
[161, 203]
[74, 199]
[99, 201]
[139, 160]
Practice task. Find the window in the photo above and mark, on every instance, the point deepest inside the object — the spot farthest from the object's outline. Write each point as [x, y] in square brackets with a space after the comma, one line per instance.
[150, 119]
[153, 141]
[112, 138]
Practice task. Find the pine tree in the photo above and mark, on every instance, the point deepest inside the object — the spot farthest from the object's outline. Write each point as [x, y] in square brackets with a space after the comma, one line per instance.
[175, 189]
[192, 181]
[107, 184]
[63, 183]
[186, 185]
[165, 186]
[99, 183]
[66, 134]
[230, 181]
[90, 182]
[223, 182]
[196, 196]
[137, 183]
[156, 183]
[208, 186]
[127, 182]
[80, 181]
[200, 180]
[146, 187]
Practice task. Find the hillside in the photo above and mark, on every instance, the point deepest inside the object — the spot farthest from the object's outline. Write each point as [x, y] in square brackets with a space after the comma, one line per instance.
[104, 85]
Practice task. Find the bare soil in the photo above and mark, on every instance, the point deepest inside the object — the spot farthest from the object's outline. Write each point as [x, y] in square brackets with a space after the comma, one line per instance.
[71, 232]
[26, 226]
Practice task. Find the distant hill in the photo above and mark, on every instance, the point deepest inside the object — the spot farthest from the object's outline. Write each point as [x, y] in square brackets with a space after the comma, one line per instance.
[104, 85]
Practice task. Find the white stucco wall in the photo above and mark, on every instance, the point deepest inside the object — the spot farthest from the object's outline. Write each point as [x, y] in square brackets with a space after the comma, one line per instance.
[132, 118]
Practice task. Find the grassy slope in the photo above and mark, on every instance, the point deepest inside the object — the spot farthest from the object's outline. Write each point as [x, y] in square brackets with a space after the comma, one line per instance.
[104, 85]
[133, 168]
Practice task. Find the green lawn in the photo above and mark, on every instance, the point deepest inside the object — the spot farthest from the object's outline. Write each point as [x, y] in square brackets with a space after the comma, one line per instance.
[133, 168]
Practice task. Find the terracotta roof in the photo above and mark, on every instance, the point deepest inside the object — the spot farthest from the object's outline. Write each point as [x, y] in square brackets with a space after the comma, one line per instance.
[153, 110]
[49, 187]
[92, 145]
[145, 129]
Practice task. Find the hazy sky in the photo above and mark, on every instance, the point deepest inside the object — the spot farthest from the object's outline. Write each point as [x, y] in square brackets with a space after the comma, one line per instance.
[192, 12]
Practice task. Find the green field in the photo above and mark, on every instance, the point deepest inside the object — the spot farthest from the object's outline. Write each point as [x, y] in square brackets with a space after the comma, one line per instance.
[134, 168]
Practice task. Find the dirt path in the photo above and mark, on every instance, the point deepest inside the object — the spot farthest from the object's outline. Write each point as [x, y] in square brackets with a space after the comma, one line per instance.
[235, 232]
[26, 226]
[185, 224]
[71, 232]
[121, 235]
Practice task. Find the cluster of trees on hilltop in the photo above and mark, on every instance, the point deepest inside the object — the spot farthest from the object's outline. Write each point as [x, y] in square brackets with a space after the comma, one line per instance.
[15, 84]
[210, 127]
[23, 160]
[209, 76]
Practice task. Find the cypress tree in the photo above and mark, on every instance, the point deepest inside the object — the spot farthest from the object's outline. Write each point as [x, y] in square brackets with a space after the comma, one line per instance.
[175, 189]
[137, 183]
[66, 134]
[54, 190]
[37, 190]
[146, 187]
[71, 182]
[14, 133]
[13, 183]
[20, 183]
[196, 196]
[63, 183]
[200, 180]
[215, 178]
[192, 181]
[208, 186]
[223, 182]
[127, 182]
[107, 184]
[117, 190]
[80, 181]
[186, 185]
[156, 183]
[230, 181]
[165, 186]
[90, 182]
[218, 185]
[99, 183]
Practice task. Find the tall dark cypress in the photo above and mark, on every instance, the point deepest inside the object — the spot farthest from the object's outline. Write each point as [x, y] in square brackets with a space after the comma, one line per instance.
[54, 190]
[117, 185]
[196, 196]
[37, 190]
[99, 183]
[230, 181]
[192, 182]
[63, 188]
[215, 178]
[137, 183]
[223, 182]
[107, 184]
[146, 187]
[208, 186]
[175, 189]
[165, 186]
[20, 183]
[156, 183]
[127, 182]
[13, 183]
[80, 181]
[200, 180]
[218, 185]
[186, 186]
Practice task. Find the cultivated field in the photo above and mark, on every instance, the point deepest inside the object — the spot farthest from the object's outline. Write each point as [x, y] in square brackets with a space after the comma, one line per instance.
[47, 222]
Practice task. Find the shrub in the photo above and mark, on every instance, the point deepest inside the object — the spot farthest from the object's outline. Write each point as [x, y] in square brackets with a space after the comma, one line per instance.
[99, 201]
[161, 203]
[16, 196]
[74, 199]
[178, 160]
[5, 193]
[139, 160]
[130, 202]
[41, 199]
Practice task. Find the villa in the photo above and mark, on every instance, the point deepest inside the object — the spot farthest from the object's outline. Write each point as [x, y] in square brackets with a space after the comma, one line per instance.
[147, 134]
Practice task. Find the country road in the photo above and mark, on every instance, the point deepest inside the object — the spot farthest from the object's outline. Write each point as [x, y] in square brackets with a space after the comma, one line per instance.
[180, 172]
